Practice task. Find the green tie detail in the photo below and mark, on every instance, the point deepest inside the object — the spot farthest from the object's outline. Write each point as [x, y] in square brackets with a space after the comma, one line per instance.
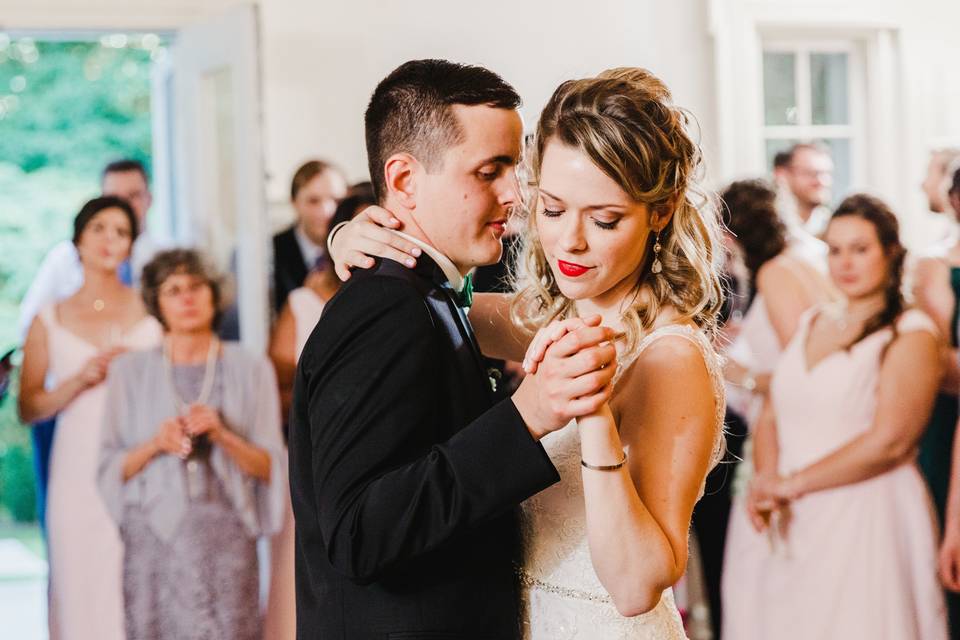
[465, 295]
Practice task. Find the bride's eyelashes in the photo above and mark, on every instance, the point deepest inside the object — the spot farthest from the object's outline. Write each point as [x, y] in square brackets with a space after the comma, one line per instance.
[608, 225]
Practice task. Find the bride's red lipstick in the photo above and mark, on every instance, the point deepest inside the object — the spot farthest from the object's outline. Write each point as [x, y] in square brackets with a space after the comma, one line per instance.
[571, 269]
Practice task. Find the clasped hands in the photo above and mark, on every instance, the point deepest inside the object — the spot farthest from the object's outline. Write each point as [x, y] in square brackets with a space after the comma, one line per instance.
[770, 495]
[178, 434]
[570, 367]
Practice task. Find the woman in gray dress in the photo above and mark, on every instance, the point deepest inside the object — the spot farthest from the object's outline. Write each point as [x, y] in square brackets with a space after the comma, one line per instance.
[191, 466]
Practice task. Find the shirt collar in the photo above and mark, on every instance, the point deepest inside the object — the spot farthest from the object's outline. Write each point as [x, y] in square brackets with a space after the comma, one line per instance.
[308, 249]
[450, 271]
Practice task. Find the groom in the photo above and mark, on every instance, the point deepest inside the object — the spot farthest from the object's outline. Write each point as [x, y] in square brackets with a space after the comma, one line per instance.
[405, 476]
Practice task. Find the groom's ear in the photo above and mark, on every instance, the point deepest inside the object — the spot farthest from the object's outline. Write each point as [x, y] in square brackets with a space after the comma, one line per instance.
[400, 173]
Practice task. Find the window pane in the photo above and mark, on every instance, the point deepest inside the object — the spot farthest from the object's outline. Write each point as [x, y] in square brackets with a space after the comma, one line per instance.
[779, 89]
[828, 88]
[840, 152]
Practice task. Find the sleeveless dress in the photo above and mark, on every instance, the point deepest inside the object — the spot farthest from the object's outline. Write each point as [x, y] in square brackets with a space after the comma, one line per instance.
[280, 622]
[86, 555]
[858, 561]
[563, 596]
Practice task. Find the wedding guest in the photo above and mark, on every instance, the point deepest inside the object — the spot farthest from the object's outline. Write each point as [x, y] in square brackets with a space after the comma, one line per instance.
[783, 283]
[295, 324]
[936, 182]
[191, 464]
[804, 177]
[72, 343]
[942, 301]
[936, 289]
[316, 188]
[61, 274]
[305, 304]
[844, 538]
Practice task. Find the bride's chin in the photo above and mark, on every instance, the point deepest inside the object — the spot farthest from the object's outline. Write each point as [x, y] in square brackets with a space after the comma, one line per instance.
[573, 292]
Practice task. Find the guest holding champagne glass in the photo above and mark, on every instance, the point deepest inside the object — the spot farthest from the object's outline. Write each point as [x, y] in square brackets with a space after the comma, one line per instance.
[192, 467]
[66, 355]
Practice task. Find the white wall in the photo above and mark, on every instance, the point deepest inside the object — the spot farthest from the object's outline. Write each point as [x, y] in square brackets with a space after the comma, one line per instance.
[322, 61]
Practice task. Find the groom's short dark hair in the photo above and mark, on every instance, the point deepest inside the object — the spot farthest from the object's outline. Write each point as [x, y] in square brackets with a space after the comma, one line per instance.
[410, 111]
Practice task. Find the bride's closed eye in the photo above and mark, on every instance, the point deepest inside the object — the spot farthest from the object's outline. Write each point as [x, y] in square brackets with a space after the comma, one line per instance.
[603, 224]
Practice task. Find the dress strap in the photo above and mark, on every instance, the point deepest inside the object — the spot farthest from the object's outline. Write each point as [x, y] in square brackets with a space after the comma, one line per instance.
[48, 315]
[711, 359]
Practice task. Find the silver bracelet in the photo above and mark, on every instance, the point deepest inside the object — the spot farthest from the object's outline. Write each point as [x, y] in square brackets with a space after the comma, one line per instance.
[605, 467]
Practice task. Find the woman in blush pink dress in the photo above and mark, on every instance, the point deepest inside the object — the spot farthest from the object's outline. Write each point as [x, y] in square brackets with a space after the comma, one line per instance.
[71, 345]
[845, 542]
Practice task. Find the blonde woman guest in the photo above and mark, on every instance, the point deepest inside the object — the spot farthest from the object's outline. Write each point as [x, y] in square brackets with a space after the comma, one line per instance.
[192, 467]
[617, 230]
[73, 343]
[845, 540]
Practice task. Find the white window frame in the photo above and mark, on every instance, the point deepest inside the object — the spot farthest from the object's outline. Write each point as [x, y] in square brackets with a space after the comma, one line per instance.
[741, 28]
[805, 130]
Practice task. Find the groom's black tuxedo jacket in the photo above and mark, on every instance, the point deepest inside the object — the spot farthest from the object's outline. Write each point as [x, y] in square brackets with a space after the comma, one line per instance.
[404, 475]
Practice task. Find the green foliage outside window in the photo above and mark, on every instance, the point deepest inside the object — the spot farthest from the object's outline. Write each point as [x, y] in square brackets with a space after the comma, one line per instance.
[66, 109]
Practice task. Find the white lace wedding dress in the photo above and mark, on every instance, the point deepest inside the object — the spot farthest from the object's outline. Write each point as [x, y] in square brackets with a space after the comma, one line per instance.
[563, 597]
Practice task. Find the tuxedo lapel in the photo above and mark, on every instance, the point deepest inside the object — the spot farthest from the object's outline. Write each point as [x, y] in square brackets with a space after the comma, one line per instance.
[443, 300]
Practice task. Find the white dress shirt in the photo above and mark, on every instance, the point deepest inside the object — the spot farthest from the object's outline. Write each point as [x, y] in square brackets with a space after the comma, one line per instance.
[308, 249]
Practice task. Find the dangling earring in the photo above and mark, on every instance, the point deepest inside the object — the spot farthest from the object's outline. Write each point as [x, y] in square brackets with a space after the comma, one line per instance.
[657, 266]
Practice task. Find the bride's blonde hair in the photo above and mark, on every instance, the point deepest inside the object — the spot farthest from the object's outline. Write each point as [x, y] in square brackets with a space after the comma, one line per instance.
[625, 121]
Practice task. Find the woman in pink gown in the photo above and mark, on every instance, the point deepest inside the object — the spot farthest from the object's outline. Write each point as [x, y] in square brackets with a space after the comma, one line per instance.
[844, 542]
[66, 355]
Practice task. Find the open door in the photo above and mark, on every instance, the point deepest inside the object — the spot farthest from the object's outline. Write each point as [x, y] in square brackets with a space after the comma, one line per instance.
[209, 174]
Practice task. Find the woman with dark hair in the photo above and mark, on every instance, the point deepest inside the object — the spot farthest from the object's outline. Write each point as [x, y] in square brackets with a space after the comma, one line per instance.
[845, 537]
[192, 467]
[66, 355]
[783, 284]
[305, 304]
[297, 320]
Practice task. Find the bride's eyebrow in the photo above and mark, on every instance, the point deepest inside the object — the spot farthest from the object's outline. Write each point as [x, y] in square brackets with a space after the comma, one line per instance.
[550, 195]
[613, 207]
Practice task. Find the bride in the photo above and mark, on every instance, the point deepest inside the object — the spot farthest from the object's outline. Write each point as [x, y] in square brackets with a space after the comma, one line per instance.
[618, 228]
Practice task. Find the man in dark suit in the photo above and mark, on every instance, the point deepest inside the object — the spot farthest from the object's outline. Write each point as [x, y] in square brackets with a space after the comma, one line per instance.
[314, 191]
[405, 474]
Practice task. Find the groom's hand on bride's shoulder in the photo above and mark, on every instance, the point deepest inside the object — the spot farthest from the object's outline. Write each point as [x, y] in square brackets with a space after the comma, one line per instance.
[573, 378]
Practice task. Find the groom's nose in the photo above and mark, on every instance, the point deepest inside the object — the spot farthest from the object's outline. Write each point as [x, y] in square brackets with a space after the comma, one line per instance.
[509, 190]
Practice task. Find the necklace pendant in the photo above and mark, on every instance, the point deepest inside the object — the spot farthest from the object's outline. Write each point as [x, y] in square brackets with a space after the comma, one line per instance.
[98, 305]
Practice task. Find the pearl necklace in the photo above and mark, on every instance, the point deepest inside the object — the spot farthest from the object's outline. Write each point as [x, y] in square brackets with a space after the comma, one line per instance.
[209, 374]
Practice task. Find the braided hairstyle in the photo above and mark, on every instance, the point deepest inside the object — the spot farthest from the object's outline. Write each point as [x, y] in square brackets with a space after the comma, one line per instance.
[625, 121]
[877, 213]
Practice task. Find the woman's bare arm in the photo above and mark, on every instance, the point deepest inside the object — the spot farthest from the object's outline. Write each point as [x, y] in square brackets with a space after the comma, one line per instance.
[638, 517]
